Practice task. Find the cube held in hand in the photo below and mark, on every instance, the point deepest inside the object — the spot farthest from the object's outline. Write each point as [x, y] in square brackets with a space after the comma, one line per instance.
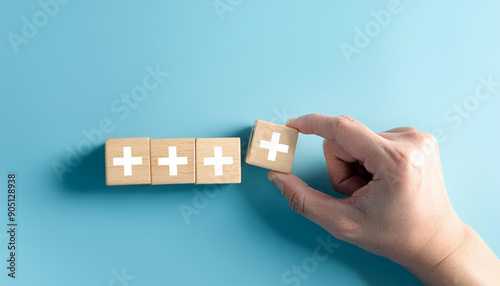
[272, 146]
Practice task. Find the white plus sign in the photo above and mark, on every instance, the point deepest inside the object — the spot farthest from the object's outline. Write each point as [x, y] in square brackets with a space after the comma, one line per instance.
[274, 146]
[127, 161]
[172, 161]
[218, 161]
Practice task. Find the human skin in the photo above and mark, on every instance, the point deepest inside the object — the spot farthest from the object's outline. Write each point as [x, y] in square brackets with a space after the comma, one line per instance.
[396, 206]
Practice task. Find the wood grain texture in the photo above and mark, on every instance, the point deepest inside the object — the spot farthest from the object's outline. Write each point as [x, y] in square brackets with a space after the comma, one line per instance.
[259, 156]
[114, 148]
[205, 174]
[185, 148]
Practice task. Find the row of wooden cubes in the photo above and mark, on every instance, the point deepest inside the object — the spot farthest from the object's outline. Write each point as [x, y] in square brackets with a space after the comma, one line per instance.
[131, 161]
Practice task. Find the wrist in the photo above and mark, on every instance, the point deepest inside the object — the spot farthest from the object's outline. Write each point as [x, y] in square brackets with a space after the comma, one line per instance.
[442, 271]
[467, 261]
[443, 248]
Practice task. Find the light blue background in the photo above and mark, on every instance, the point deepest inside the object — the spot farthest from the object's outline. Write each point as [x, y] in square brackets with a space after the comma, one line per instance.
[264, 60]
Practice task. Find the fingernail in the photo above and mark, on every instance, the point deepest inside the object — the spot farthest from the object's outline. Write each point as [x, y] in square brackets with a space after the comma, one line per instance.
[276, 181]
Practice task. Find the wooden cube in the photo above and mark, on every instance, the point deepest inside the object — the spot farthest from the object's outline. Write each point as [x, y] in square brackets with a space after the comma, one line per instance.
[172, 161]
[218, 161]
[127, 161]
[272, 146]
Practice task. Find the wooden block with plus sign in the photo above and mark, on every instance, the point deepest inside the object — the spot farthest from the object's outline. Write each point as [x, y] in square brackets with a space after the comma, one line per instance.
[127, 161]
[218, 161]
[172, 161]
[272, 146]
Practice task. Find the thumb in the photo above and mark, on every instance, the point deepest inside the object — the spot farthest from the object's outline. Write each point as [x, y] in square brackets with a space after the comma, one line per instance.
[334, 215]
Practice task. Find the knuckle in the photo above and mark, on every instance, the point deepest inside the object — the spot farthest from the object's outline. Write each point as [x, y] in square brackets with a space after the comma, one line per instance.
[344, 121]
[424, 141]
[314, 117]
[429, 137]
[411, 130]
[414, 133]
[315, 120]
[416, 136]
[297, 202]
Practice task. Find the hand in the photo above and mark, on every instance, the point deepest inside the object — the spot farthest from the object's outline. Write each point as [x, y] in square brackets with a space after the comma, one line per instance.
[396, 204]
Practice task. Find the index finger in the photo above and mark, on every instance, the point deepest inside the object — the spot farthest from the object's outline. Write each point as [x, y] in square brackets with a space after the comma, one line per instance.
[350, 135]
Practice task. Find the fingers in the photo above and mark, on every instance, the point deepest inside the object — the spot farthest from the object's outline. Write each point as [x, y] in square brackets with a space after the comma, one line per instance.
[354, 138]
[330, 213]
[344, 176]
